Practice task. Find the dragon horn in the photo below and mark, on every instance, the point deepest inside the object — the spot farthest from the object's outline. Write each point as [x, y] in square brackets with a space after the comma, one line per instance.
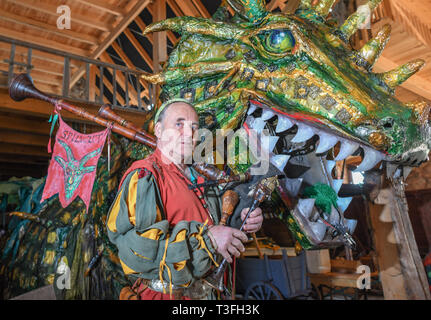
[194, 25]
[397, 76]
[321, 7]
[251, 10]
[354, 21]
[372, 50]
[68, 151]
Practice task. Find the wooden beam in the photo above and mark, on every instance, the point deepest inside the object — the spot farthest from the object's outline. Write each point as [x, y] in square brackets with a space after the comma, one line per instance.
[414, 15]
[160, 53]
[24, 125]
[34, 160]
[123, 24]
[23, 138]
[41, 26]
[201, 8]
[51, 9]
[103, 6]
[7, 148]
[144, 54]
[39, 40]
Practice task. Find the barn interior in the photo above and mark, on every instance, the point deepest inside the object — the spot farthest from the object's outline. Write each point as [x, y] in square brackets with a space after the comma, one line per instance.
[98, 57]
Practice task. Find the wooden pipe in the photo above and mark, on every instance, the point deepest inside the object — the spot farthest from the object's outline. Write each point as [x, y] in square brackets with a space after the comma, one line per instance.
[21, 87]
[229, 201]
[106, 112]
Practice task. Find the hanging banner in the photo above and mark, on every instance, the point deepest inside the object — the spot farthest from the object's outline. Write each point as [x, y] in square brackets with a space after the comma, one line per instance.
[73, 165]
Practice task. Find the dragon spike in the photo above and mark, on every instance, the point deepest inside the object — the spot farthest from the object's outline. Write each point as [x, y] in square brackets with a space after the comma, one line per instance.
[421, 111]
[372, 50]
[251, 10]
[362, 15]
[397, 76]
[196, 25]
[321, 7]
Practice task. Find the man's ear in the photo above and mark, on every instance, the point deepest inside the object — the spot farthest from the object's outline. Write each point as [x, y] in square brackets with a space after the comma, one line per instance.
[158, 129]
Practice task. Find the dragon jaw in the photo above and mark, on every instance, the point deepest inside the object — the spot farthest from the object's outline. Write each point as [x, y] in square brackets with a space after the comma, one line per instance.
[304, 72]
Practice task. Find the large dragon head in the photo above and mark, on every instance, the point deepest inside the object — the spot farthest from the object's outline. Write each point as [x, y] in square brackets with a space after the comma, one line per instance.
[299, 73]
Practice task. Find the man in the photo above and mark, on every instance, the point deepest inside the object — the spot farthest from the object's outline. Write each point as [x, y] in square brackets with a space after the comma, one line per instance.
[166, 233]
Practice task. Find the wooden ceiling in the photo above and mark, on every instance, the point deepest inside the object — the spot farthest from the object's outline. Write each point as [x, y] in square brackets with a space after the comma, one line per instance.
[110, 31]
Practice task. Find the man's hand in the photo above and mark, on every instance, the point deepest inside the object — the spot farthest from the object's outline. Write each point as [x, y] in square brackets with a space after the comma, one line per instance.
[228, 241]
[254, 220]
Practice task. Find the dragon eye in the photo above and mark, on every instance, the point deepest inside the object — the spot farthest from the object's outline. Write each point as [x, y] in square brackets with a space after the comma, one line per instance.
[278, 41]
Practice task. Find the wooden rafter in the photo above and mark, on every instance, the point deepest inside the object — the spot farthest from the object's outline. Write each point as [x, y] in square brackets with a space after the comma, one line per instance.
[127, 60]
[9, 148]
[39, 40]
[23, 138]
[41, 26]
[121, 79]
[51, 9]
[11, 123]
[121, 26]
[103, 6]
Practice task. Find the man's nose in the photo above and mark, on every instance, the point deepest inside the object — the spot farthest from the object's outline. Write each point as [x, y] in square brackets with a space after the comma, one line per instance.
[188, 129]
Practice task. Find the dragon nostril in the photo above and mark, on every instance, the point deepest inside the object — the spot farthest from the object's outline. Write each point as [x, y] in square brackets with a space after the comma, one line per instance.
[387, 123]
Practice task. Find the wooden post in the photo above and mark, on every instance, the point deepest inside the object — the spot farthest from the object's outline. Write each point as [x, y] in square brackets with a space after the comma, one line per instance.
[401, 269]
[160, 45]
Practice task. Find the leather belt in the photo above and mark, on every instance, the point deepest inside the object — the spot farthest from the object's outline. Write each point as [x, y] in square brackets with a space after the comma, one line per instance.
[196, 291]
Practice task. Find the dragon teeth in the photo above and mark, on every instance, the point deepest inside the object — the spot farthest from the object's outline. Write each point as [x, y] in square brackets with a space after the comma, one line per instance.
[346, 149]
[329, 165]
[334, 217]
[371, 158]
[267, 114]
[271, 141]
[280, 161]
[319, 230]
[251, 109]
[406, 171]
[351, 225]
[304, 133]
[292, 185]
[336, 184]
[283, 124]
[326, 142]
[258, 125]
[343, 203]
[305, 207]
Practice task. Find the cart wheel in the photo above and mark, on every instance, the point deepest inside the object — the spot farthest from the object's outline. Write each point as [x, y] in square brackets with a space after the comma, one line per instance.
[261, 290]
[316, 293]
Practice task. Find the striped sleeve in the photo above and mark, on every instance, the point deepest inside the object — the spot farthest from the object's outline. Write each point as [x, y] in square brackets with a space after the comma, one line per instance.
[146, 246]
